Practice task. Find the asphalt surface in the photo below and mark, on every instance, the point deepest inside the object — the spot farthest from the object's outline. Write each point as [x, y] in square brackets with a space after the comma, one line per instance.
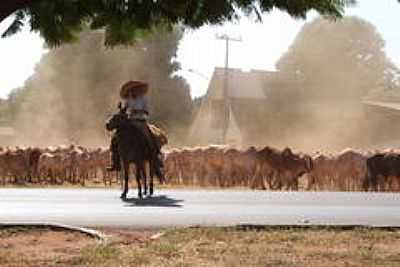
[176, 208]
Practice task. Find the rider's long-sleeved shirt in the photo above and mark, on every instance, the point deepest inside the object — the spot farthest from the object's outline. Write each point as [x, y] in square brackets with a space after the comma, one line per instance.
[138, 107]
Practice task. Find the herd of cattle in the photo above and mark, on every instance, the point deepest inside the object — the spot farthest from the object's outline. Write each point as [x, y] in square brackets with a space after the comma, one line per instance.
[217, 166]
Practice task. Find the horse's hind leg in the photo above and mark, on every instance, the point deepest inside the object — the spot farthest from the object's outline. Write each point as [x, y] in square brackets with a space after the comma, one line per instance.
[139, 184]
[151, 180]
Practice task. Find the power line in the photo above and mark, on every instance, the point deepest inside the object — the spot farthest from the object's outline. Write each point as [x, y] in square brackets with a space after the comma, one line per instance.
[227, 39]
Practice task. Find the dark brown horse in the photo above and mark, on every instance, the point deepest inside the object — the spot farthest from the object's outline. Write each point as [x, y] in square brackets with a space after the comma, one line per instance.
[133, 148]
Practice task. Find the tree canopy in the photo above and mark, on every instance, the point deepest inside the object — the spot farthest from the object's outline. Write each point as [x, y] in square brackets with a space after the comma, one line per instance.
[61, 21]
[345, 59]
[324, 75]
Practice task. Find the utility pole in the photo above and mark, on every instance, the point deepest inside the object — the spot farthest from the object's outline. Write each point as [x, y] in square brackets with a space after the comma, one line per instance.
[226, 100]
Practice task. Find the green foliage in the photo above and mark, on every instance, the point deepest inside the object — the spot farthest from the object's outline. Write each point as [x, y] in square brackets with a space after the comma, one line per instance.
[60, 21]
[16, 25]
[299, 8]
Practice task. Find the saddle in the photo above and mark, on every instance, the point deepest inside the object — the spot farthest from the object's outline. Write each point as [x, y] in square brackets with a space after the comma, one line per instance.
[160, 135]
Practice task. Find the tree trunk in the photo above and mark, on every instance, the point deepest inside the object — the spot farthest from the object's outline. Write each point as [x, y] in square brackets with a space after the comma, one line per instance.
[8, 7]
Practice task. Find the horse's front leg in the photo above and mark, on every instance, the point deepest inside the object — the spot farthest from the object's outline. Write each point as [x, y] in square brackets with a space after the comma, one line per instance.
[144, 180]
[148, 172]
[126, 178]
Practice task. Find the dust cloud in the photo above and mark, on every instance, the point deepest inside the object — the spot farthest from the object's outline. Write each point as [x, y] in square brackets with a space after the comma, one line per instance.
[313, 100]
[315, 97]
[75, 88]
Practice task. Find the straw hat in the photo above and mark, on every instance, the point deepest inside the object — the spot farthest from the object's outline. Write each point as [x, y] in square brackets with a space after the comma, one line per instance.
[134, 87]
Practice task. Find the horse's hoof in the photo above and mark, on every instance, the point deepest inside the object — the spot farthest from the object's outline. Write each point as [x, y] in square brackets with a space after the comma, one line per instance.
[123, 196]
[140, 196]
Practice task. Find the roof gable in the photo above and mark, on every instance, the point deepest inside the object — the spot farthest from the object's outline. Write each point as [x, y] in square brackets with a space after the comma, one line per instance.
[241, 84]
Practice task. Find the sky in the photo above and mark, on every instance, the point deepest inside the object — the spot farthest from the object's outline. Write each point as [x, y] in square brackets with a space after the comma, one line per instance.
[261, 45]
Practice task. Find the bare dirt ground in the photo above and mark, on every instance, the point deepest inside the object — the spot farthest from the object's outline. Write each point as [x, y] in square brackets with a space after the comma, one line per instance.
[202, 247]
[39, 247]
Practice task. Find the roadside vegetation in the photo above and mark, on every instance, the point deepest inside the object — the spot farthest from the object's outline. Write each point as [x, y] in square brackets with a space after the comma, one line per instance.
[266, 246]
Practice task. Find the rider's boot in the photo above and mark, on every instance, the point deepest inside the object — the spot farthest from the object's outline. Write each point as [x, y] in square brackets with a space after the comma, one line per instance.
[115, 167]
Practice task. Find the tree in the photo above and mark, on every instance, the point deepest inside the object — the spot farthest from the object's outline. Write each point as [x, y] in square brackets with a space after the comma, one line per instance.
[324, 75]
[76, 87]
[345, 59]
[60, 21]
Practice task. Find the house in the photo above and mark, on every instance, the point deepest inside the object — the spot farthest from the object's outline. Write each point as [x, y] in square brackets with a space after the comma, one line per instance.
[244, 98]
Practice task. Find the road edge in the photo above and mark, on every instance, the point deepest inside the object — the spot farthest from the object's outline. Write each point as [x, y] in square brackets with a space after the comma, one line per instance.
[84, 230]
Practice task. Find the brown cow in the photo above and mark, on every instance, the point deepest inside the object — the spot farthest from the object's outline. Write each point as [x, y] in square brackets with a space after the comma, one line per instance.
[322, 175]
[351, 167]
[214, 165]
[283, 168]
[293, 167]
[171, 166]
[15, 165]
[268, 166]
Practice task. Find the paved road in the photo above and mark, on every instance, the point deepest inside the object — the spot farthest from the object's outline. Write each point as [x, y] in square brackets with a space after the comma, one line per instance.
[100, 207]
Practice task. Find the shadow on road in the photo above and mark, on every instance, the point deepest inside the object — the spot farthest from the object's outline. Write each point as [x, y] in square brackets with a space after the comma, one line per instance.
[155, 201]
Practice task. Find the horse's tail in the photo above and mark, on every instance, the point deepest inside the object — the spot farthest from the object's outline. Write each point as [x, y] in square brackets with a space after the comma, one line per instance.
[156, 170]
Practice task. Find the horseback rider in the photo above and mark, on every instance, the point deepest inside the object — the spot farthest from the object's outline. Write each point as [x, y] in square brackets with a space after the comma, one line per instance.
[135, 104]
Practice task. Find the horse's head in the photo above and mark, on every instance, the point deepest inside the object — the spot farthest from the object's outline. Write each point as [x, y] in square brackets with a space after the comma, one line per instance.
[116, 121]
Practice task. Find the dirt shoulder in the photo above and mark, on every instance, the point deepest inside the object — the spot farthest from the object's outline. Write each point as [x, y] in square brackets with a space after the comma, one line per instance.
[202, 247]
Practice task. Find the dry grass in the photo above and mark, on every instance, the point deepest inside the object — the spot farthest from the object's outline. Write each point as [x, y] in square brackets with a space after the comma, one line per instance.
[220, 247]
